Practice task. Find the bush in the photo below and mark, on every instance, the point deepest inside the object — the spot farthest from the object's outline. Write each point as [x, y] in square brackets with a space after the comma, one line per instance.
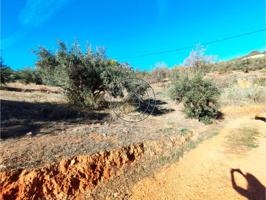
[28, 76]
[25, 75]
[261, 81]
[85, 77]
[198, 95]
[159, 74]
[198, 61]
[6, 73]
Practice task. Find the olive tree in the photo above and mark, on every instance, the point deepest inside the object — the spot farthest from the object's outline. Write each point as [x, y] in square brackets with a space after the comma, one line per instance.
[84, 76]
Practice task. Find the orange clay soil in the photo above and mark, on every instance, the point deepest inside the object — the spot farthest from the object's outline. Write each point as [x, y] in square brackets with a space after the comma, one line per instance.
[205, 172]
[67, 179]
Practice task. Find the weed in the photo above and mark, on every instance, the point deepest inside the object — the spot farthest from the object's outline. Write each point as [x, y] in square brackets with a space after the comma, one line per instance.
[184, 131]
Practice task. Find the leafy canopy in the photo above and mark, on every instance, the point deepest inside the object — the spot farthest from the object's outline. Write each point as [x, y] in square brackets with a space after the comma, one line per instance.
[85, 76]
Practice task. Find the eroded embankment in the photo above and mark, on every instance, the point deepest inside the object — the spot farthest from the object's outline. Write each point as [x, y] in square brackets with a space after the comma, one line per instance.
[71, 177]
[68, 178]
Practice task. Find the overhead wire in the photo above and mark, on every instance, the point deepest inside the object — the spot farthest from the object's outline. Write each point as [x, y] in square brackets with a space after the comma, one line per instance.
[191, 46]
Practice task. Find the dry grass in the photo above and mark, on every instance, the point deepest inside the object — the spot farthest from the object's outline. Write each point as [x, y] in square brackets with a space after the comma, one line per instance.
[56, 138]
[32, 88]
[51, 131]
[243, 139]
[237, 94]
[241, 88]
[41, 128]
[32, 97]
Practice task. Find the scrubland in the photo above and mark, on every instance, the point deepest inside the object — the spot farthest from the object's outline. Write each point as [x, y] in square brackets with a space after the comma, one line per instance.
[53, 149]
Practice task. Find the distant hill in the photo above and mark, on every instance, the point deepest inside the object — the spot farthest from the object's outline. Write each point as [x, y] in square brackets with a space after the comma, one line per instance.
[254, 54]
[254, 60]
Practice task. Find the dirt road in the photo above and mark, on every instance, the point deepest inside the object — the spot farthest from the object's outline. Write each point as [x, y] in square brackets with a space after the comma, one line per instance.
[207, 171]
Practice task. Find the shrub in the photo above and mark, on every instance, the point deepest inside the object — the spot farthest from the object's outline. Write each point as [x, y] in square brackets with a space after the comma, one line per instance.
[25, 75]
[6, 73]
[198, 61]
[85, 77]
[141, 74]
[198, 95]
[49, 68]
[179, 86]
[28, 76]
[160, 72]
[261, 81]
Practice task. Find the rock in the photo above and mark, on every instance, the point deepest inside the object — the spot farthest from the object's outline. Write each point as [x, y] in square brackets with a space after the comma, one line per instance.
[2, 167]
[29, 134]
[97, 125]
[115, 194]
[72, 162]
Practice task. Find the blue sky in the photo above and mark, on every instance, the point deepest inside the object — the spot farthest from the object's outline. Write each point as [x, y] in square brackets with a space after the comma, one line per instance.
[127, 28]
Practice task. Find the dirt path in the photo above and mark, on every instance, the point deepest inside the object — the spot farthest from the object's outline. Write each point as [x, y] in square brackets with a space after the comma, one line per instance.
[204, 173]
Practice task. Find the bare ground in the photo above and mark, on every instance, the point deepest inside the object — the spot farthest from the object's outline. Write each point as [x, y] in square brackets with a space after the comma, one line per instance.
[205, 172]
[41, 131]
[37, 130]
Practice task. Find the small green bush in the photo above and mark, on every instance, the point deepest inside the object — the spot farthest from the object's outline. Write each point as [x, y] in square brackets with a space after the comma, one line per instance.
[198, 95]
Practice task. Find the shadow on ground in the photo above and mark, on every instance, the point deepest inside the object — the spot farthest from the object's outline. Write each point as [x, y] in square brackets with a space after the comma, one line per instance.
[153, 107]
[19, 118]
[254, 191]
[16, 89]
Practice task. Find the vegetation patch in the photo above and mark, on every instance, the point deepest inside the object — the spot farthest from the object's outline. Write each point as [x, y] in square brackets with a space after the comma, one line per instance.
[85, 77]
[27, 75]
[198, 95]
[236, 94]
[243, 64]
[184, 131]
[243, 139]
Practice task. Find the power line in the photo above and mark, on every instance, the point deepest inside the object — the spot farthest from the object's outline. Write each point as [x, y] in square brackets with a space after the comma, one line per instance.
[191, 46]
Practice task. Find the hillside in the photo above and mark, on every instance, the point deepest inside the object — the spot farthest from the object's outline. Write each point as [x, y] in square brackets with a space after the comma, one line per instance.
[53, 151]
[255, 54]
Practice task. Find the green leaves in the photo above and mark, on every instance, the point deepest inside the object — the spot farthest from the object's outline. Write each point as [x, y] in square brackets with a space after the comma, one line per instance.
[26, 75]
[6, 73]
[85, 77]
[198, 95]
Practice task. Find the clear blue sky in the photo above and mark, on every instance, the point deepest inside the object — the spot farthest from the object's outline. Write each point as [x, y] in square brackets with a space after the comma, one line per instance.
[130, 27]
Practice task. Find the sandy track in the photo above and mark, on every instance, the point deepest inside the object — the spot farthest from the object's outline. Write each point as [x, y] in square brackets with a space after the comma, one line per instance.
[204, 173]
